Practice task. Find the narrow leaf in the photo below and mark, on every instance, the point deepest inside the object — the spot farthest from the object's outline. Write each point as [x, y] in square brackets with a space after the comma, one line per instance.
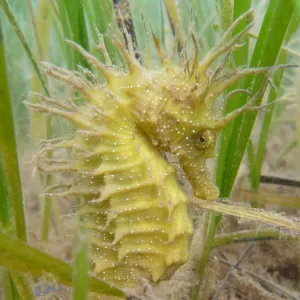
[271, 219]
[16, 28]
[250, 235]
[266, 50]
[8, 157]
[22, 285]
[240, 57]
[6, 285]
[17, 255]
[81, 265]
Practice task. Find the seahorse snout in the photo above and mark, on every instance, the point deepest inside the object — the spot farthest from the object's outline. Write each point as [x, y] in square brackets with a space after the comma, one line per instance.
[206, 191]
[198, 175]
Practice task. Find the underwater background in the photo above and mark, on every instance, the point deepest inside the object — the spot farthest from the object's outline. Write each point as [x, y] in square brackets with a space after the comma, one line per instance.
[245, 246]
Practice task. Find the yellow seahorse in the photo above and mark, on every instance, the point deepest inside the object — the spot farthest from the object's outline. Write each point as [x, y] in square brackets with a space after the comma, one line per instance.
[134, 208]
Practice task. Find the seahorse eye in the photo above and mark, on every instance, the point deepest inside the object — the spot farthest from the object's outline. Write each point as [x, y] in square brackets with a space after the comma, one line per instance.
[205, 139]
[202, 139]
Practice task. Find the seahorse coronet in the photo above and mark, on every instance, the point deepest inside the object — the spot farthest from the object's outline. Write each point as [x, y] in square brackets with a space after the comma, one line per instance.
[136, 213]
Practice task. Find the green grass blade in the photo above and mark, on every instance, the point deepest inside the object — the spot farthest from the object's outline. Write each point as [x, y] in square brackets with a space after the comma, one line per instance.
[40, 126]
[252, 162]
[73, 23]
[99, 16]
[184, 10]
[175, 22]
[265, 198]
[78, 27]
[8, 153]
[47, 212]
[81, 265]
[5, 205]
[22, 285]
[102, 14]
[18, 256]
[210, 228]
[8, 12]
[249, 235]
[6, 285]
[292, 144]
[240, 57]
[297, 2]
[266, 50]
[66, 33]
[204, 12]
[254, 173]
[42, 28]
[224, 8]
[155, 11]
[12, 219]
[282, 59]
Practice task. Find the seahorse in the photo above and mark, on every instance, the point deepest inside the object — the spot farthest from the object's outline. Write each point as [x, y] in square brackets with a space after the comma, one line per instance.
[136, 212]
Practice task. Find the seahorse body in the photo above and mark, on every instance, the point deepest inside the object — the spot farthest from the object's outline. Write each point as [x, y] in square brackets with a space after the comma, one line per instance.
[137, 214]
[135, 211]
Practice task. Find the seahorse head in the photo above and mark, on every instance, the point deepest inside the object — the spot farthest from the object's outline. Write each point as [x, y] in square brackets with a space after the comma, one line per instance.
[183, 123]
[178, 111]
